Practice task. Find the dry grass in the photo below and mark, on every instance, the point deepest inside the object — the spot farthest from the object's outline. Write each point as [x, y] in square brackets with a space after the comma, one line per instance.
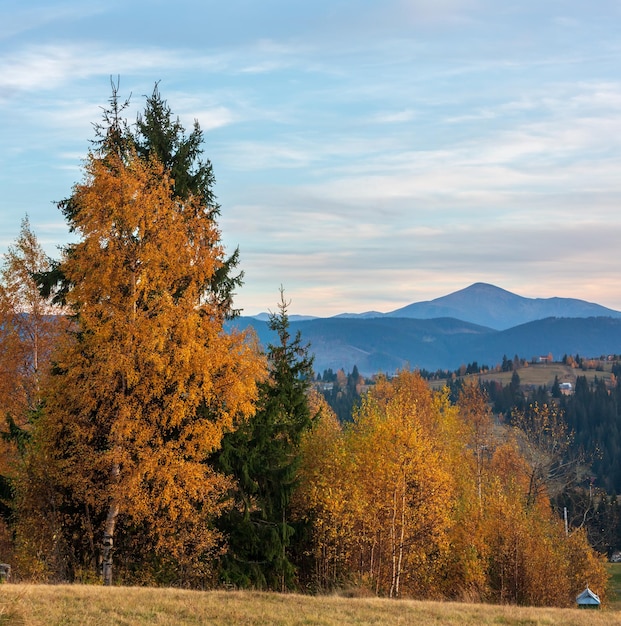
[35, 605]
[543, 374]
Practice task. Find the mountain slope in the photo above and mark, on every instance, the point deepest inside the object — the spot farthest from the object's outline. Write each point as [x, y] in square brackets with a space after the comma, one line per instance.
[497, 308]
[387, 344]
[377, 344]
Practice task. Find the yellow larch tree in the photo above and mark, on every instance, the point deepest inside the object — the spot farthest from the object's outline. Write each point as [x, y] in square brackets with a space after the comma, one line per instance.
[149, 381]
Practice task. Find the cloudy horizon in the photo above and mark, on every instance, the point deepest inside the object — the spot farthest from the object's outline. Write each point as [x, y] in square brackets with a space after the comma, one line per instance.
[367, 154]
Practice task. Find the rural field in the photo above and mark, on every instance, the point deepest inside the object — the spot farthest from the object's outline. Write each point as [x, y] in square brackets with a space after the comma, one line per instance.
[35, 605]
[537, 375]
[540, 374]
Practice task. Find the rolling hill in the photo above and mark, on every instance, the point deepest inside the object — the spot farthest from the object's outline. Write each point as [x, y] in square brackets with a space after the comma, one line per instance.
[387, 344]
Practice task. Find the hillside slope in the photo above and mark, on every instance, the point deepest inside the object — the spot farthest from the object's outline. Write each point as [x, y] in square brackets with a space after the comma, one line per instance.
[386, 344]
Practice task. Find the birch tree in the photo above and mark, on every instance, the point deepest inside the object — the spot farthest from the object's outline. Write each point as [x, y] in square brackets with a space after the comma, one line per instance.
[28, 330]
[398, 441]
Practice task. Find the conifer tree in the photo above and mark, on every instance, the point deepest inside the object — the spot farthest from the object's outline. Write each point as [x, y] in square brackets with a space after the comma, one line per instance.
[263, 456]
[158, 134]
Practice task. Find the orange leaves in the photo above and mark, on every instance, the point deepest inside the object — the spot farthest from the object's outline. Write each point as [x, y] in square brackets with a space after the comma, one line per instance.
[150, 381]
[141, 246]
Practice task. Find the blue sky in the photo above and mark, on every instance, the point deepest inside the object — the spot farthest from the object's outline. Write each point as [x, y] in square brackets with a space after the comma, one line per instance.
[367, 154]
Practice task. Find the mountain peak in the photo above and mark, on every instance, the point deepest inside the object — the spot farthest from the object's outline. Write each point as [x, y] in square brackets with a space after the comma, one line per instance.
[477, 290]
[497, 308]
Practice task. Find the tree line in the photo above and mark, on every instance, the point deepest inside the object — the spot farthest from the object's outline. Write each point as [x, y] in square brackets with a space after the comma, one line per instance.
[142, 444]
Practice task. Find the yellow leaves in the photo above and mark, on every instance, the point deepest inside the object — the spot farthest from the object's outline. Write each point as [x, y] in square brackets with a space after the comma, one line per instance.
[420, 497]
[377, 492]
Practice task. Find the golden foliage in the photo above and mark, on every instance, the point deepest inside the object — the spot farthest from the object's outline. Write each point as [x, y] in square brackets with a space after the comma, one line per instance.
[422, 498]
[322, 497]
[149, 382]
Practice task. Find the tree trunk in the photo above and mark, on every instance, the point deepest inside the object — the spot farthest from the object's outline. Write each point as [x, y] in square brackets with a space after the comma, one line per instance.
[108, 543]
[401, 541]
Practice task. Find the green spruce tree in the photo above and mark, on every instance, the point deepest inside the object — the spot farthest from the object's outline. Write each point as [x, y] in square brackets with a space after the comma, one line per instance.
[263, 456]
[158, 133]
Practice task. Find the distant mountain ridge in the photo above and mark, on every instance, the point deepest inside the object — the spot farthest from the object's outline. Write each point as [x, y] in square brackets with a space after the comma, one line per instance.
[485, 305]
[488, 305]
[479, 323]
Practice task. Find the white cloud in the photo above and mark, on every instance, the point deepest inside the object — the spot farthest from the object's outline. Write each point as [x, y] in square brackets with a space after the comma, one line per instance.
[44, 67]
[215, 117]
[396, 117]
[51, 66]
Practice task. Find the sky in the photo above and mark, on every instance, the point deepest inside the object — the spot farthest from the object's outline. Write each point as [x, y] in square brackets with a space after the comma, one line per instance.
[368, 154]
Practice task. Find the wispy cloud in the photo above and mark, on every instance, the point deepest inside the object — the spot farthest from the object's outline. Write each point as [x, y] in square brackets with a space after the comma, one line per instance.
[22, 18]
[367, 154]
[50, 66]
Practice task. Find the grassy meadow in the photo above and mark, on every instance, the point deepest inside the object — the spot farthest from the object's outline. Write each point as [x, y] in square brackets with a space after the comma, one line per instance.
[34, 605]
[540, 374]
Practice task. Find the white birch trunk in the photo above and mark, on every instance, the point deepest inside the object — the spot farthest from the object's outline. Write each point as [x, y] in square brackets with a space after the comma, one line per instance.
[107, 543]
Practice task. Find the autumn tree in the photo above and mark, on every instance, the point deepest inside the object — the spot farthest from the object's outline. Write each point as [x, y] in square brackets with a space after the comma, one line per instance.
[158, 134]
[467, 562]
[420, 498]
[263, 456]
[401, 489]
[324, 500]
[477, 416]
[149, 382]
[531, 559]
[29, 327]
[545, 439]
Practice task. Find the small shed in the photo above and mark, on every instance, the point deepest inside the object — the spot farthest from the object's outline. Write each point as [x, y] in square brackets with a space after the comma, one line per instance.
[588, 600]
